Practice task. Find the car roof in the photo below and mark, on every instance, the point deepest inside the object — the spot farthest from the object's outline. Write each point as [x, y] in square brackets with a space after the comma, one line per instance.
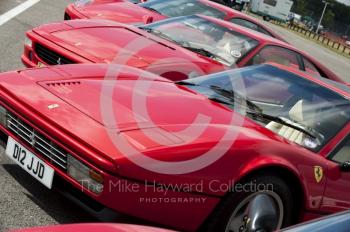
[231, 13]
[330, 84]
[337, 85]
[227, 10]
[244, 30]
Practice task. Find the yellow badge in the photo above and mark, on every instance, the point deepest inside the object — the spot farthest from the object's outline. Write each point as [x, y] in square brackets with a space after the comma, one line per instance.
[40, 65]
[318, 172]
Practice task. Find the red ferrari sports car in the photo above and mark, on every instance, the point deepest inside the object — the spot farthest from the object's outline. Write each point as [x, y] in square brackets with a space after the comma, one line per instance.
[155, 10]
[255, 148]
[176, 48]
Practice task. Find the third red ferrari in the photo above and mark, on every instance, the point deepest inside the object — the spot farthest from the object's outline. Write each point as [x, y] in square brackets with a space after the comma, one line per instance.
[155, 10]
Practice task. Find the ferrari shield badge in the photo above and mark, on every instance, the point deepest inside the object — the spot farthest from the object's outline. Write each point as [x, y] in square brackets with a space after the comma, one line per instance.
[318, 172]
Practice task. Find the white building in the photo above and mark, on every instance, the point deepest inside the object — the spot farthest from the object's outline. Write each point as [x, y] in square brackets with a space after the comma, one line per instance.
[272, 9]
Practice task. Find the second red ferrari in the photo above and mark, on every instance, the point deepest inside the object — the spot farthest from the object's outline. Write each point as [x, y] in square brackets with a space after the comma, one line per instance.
[176, 48]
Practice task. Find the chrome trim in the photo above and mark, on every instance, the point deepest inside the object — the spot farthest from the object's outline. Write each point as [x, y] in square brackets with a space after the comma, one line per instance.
[37, 141]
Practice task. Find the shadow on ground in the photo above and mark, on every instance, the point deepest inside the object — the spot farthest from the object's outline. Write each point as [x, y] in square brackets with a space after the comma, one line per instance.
[53, 203]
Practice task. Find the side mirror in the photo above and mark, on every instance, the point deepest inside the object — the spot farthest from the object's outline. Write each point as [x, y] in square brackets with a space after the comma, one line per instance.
[345, 167]
[147, 19]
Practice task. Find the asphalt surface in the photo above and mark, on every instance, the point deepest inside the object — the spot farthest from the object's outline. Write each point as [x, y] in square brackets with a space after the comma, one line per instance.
[23, 201]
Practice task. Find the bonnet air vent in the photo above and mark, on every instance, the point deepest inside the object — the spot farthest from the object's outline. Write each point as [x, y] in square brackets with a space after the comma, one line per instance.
[63, 83]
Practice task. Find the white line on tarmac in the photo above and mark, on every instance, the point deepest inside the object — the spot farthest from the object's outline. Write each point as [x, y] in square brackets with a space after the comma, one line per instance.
[16, 11]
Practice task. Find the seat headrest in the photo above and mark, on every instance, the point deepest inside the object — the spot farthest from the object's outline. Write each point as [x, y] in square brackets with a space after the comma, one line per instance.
[303, 112]
[296, 112]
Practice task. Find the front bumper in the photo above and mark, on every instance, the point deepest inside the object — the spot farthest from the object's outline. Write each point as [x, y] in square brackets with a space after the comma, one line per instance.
[31, 59]
[180, 210]
[27, 62]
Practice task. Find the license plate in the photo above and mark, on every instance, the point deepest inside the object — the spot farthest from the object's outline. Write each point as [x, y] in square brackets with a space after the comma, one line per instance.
[29, 162]
[40, 65]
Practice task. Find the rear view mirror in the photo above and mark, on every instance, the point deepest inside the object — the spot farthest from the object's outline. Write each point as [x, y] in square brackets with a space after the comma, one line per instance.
[345, 166]
[147, 19]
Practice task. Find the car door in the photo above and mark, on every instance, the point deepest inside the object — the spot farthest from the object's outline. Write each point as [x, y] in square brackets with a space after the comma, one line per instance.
[337, 194]
[276, 54]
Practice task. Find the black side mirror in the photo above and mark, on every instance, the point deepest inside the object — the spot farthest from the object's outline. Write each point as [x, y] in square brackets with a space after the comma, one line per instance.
[345, 166]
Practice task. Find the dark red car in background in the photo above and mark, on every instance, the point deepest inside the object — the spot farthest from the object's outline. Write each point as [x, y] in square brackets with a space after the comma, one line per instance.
[176, 48]
[155, 10]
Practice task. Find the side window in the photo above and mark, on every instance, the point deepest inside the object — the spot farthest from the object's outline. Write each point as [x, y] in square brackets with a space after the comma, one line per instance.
[262, 30]
[277, 55]
[271, 2]
[250, 25]
[343, 154]
[310, 68]
[245, 23]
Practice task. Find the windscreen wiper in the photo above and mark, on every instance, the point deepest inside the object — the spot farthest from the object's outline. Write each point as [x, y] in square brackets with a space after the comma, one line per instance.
[205, 52]
[160, 34]
[186, 83]
[234, 96]
[283, 121]
[212, 98]
[220, 100]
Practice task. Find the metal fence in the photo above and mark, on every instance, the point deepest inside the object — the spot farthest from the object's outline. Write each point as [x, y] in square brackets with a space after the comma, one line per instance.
[325, 39]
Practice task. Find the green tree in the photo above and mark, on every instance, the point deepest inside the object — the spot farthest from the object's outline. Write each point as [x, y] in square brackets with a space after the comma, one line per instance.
[337, 17]
[328, 20]
[300, 7]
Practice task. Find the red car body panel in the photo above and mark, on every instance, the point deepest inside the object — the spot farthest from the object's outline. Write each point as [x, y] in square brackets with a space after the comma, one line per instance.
[77, 126]
[93, 228]
[124, 12]
[119, 43]
[127, 12]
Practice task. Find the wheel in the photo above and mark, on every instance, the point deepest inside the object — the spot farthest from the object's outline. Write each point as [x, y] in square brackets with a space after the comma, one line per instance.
[261, 211]
[266, 18]
[238, 7]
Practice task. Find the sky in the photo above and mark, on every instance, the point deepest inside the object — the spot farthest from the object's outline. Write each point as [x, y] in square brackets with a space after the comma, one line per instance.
[347, 2]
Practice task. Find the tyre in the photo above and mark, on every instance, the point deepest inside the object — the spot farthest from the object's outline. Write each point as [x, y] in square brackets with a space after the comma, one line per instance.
[266, 18]
[238, 7]
[272, 208]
